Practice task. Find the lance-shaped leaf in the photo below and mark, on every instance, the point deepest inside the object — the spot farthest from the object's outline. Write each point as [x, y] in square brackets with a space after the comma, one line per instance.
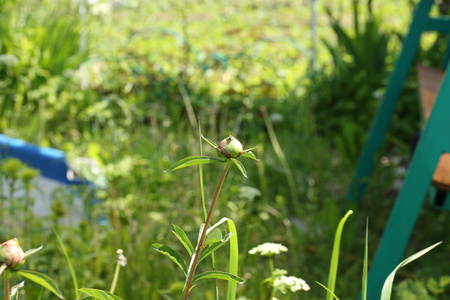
[32, 251]
[182, 237]
[172, 254]
[249, 154]
[15, 290]
[43, 280]
[240, 167]
[192, 161]
[218, 275]
[209, 142]
[99, 294]
[387, 287]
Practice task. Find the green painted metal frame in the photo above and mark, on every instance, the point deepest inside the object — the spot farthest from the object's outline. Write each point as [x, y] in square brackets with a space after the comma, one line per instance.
[426, 156]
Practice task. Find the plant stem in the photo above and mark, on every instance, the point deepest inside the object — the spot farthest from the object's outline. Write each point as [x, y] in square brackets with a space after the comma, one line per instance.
[116, 276]
[272, 276]
[198, 249]
[7, 297]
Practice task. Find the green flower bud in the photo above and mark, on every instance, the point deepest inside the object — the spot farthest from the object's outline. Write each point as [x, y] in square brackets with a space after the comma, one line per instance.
[12, 255]
[231, 147]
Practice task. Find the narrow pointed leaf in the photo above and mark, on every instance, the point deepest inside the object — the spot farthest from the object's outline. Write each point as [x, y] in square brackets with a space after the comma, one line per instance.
[32, 251]
[365, 265]
[43, 280]
[99, 294]
[209, 142]
[172, 254]
[218, 275]
[182, 237]
[330, 292]
[192, 161]
[335, 256]
[15, 290]
[249, 154]
[240, 167]
[234, 259]
[387, 287]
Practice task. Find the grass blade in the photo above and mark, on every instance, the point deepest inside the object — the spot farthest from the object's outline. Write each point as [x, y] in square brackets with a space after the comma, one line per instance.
[366, 263]
[234, 260]
[335, 257]
[387, 287]
[42, 280]
[69, 262]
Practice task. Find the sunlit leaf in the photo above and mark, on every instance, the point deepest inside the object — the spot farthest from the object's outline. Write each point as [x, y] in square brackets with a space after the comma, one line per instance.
[99, 294]
[213, 247]
[192, 161]
[42, 280]
[32, 251]
[240, 167]
[218, 275]
[182, 237]
[387, 287]
[213, 237]
[234, 259]
[249, 154]
[172, 254]
[15, 291]
[335, 256]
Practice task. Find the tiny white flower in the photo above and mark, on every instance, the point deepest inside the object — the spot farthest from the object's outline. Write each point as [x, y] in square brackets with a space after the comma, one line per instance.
[268, 249]
[290, 283]
[279, 272]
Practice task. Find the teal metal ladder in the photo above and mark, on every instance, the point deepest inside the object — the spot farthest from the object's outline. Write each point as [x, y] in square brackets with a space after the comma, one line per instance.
[426, 156]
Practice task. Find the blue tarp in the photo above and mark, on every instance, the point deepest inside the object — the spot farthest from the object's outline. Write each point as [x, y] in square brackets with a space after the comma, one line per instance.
[50, 162]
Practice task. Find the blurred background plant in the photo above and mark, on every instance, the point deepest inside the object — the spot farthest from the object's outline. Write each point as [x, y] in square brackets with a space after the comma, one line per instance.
[123, 82]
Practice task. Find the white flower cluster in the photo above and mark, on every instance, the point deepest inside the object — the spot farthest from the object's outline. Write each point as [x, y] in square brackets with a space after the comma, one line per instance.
[268, 249]
[290, 283]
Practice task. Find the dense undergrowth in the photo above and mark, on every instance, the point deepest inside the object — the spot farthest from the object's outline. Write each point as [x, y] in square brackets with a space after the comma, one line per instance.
[125, 83]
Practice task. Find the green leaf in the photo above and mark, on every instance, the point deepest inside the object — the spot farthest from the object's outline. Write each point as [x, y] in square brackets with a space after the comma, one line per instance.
[172, 254]
[387, 287]
[32, 251]
[330, 292]
[234, 259]
[335, 256]
[218, 275]
[213, 247]
[249, 154]
[182, 237]
[192, 161]
[99, 294]
[43, 280]
[15, 291]
[210, 142]
[240, 167]
[365, 265]
[213, 237]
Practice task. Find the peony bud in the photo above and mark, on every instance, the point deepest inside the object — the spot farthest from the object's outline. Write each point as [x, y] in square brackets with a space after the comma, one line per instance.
[12, 255]
[231, 147]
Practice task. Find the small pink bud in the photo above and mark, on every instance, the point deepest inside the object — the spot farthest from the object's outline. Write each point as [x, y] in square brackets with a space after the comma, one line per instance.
[231, 147]
[12, 255]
